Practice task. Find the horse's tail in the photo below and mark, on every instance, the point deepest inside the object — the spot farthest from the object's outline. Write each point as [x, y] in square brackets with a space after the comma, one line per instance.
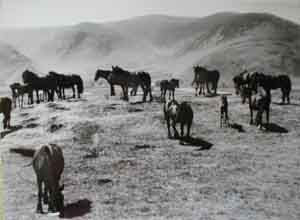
[80, 85]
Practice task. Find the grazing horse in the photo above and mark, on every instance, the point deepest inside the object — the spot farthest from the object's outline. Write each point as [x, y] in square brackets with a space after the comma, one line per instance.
[19, 91]
[6, 108]
[224, 111]
[178, 113]
[67, 82]
[205, 77]
[48, 165]
[168, 85]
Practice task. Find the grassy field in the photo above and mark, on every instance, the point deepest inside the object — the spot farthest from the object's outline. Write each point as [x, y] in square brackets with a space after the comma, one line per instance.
[121, 165]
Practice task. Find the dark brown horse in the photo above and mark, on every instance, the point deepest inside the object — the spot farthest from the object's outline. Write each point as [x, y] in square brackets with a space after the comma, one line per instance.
[168, 85]
[249, 81]
[6, 108]
[205, 77]
[18, 92]
[178, 113]
[64, 81]
[47, 84]
[126, 79]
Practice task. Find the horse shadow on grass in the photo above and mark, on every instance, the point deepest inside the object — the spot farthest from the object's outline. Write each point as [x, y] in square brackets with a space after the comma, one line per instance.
[196, 142]
[77, 209]
[271, 127]
[10, 130]
[283, 104]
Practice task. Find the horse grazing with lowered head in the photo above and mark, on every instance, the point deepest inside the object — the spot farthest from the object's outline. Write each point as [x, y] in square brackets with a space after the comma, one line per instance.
[168, 85]
[6, 108]
[206, 77]
[178, 113]
[48, 165]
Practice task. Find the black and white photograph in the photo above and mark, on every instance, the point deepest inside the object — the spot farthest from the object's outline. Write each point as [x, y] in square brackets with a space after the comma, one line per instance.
[150, 109]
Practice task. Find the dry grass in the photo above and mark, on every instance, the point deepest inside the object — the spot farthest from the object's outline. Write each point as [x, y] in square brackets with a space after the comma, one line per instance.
[120, 164]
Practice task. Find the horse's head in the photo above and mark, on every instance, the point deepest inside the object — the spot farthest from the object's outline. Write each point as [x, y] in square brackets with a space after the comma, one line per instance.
[97, 75]
[175, 82]
[238, 81]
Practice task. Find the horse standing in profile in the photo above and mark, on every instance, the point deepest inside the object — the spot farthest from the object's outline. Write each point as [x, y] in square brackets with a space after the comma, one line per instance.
[178, 113]
[205, 77]
[6, 108]
[126, 79]
[168, 85]
[47, 84]
[64, 82]
[118, 77]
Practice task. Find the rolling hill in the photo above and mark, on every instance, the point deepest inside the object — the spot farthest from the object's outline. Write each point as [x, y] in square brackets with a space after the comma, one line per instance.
[166, 46]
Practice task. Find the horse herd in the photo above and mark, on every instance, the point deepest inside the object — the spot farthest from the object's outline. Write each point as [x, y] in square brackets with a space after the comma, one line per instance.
[48, 162]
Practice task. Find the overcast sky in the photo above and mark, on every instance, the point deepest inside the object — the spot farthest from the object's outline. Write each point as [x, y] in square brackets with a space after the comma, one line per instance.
[64, 12]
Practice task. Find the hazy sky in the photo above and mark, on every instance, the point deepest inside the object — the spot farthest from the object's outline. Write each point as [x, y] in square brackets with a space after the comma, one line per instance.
[62, 12]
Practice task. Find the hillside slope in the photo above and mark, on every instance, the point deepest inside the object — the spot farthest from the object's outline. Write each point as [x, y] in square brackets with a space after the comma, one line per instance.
[166, 46]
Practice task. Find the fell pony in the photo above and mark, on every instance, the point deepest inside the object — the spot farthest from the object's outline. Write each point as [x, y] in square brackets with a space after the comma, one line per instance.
[204, 77]
[168, 85]
[253, 81]
[64, 81]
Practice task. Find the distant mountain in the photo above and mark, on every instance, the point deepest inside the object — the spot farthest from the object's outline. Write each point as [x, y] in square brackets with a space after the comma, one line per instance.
[166, 46]
[12, 63]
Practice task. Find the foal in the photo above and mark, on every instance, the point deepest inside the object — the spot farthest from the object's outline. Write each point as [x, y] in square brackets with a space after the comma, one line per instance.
[224, 120]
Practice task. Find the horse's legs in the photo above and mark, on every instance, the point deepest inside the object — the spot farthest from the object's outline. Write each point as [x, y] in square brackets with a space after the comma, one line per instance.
[112, 90]
[173, 94]
[182, 129]
[168, 125]
[251, 110]
[37, 96]
[73, 90]
[39, 208]
[176, 134]
[189, 129]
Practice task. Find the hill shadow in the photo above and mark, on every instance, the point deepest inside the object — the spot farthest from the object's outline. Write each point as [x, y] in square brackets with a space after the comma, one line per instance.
[11, 130]
[196, 142]
[77, 209]
[271, 127]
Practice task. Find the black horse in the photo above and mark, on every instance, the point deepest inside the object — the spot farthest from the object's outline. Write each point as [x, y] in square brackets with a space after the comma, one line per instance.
[249, 83]
[47, 84]
[205, 77]
[145, 83]
[126, 79]
[67, 82]
[269, 83]
[168, 85]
